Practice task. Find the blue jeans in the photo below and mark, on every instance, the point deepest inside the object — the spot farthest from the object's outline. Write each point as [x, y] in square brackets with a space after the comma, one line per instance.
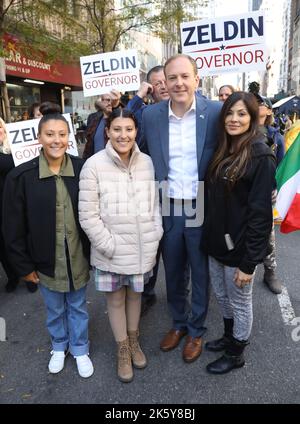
[67, 320]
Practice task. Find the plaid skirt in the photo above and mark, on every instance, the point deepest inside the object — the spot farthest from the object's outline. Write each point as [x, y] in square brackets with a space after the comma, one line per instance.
[109, 281]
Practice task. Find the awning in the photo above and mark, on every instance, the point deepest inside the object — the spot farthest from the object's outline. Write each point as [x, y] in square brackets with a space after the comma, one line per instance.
[282, 101]
[18, 65]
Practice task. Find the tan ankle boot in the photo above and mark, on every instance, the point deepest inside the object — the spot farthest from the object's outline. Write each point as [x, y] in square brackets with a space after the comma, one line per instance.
[138, 358]
[125, 372]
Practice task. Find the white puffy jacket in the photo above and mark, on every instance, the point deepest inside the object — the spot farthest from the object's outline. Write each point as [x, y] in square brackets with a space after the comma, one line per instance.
[119, 211]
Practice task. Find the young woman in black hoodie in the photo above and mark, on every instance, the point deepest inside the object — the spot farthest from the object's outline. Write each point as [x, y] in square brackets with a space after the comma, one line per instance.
[238, 222]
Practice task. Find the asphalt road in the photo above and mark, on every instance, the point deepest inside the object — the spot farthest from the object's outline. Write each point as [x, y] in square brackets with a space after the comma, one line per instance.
[271, 374]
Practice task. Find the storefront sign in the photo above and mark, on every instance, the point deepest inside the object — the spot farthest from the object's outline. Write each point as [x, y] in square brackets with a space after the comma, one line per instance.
[104, 72]
[17, 64]
[229, 44]
[22, 137]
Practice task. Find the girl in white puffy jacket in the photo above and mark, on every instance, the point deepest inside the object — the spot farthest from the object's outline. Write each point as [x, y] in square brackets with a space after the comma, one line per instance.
[119, 212]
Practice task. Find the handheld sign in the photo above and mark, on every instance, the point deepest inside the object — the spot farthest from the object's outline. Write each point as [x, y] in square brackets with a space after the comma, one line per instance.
[22, 137]
[228, 44]
[106, 71]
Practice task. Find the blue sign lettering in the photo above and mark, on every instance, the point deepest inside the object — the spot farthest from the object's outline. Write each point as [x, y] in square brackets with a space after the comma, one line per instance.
[243, 28]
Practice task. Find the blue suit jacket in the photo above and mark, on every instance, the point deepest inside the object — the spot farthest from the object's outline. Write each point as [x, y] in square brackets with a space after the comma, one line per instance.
[155, 135]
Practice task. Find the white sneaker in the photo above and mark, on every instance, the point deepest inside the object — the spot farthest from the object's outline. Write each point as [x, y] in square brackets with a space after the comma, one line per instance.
[84, 366]
[57, 361]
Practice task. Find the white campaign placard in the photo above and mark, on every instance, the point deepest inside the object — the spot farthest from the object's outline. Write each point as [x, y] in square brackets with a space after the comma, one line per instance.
[22, 137]
[228, 44]
[106, 71]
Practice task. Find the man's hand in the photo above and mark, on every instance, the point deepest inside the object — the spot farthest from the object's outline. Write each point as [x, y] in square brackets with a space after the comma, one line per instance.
[145, 88]
[115, 96]
[33, 277]
[241, 279]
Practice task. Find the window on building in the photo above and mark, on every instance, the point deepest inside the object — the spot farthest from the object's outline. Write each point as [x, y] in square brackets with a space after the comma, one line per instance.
[20, 98]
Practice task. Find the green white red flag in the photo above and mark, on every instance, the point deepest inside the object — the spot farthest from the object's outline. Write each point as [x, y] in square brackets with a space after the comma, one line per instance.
[288, 186]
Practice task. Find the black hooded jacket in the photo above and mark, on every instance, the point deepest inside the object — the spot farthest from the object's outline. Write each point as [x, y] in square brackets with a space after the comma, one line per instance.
[245, 213]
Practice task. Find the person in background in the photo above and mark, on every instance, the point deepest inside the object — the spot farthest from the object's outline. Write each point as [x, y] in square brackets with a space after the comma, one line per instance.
[154, 86]
[6, 164]
[96, 114]
[79, 128]
[273, 135]
[275, 140]
[34, 111]
[238, 222]
[225, 91]
[45, 242]
[119, 211]
[95, 134]
[25, 116]
[288, 124]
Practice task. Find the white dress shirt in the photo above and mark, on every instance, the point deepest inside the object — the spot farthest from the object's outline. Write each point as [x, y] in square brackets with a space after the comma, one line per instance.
[183, 167]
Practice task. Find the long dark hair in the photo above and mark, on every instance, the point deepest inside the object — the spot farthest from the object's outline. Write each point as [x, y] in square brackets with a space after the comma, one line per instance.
[233, 155]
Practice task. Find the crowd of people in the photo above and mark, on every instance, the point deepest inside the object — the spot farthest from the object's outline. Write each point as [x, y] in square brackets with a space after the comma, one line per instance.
[136, 195]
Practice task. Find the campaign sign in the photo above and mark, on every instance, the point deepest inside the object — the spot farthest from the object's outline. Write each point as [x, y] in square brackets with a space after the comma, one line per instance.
[106, 71]
[228, 44]
[22, 137]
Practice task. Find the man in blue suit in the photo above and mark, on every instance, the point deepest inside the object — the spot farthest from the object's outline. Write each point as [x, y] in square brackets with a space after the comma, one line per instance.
[181, 135]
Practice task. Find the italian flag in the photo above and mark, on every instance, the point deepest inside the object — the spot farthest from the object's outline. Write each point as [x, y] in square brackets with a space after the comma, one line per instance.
[288, 186]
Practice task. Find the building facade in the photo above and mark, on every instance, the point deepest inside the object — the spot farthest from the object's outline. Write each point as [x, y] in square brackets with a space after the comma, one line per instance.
[31, 78]
[286, 34]
[270, 79]
[294, 50]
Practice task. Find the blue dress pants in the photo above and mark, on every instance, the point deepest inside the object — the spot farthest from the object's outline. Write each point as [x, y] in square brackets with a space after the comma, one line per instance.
[181, 244]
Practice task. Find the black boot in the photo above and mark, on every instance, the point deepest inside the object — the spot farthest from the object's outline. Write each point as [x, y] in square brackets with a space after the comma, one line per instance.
[272, 281]
[232, 358]
[220, 344]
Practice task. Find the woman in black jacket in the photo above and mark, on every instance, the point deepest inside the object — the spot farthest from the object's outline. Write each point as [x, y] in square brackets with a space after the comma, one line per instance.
[45, 242]
[240, 180]
[6, 164]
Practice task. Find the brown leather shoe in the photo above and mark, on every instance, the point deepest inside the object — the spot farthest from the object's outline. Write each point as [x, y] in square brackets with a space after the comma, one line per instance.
[172, 339]
[192, 348]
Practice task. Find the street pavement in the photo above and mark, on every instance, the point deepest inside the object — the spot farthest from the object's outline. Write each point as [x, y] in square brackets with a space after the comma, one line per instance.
[271, 374]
